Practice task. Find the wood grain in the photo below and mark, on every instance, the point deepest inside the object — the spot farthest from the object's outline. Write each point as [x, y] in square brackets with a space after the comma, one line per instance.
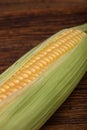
[26, 23]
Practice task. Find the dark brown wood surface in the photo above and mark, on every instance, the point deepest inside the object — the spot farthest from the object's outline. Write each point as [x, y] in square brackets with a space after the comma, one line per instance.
[26, 23]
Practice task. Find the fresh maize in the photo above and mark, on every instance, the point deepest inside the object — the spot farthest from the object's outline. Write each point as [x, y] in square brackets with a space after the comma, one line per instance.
[34, 87]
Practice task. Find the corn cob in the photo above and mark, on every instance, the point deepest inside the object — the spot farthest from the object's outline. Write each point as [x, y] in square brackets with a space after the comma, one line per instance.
[35, 86]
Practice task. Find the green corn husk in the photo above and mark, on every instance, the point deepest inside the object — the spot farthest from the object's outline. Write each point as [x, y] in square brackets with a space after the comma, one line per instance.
[36, 105]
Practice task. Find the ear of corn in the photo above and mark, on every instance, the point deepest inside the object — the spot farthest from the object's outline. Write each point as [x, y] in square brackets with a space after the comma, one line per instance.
[36, 85]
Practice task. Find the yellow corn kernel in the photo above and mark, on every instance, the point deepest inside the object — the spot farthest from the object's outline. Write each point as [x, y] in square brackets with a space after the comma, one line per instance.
[38, 63]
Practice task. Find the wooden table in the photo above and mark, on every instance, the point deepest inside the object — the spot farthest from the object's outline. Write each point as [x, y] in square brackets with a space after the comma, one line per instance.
[25, 24]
